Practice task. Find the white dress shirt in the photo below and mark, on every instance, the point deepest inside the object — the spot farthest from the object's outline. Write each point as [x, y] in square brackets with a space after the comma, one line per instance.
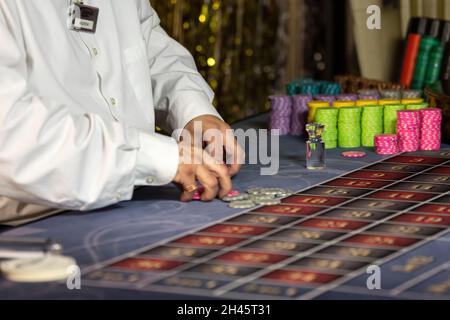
[78, 110]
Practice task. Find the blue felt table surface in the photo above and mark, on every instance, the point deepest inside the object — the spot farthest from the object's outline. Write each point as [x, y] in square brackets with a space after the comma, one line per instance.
[155, 214]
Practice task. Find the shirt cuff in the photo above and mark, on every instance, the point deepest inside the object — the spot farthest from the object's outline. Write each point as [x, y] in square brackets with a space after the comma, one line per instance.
[157, 160]
[188, 106]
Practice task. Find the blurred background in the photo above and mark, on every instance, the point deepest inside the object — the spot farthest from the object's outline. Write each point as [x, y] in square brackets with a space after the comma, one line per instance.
[249, 49]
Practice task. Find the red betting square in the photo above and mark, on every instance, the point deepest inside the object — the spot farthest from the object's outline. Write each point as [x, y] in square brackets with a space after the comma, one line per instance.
[358, 183]
[417, 160]
[243, 257]
[441, 170]
[315, 200]
[333, 224]
[401, 196]
[238, 230]
[208, 241]
[290, 210]
[147, 264]
[374, 240]
[378, 175]
[424, 219]
[301, 277]
[434, 208]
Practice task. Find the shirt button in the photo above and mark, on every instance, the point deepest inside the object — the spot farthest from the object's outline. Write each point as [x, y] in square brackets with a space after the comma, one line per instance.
[118, 197]
[95, 52]
[150, 180]
[114, 102]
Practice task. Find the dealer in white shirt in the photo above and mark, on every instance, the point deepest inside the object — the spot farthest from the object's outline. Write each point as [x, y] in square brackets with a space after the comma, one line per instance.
[78, 109]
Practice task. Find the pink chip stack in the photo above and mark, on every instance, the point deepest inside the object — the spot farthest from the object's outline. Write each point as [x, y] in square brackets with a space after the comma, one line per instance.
[431, 129]
[386, 144]
[408, 130]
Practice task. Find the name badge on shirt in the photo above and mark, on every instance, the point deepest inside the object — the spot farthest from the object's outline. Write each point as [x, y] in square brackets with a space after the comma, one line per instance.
[82, 18]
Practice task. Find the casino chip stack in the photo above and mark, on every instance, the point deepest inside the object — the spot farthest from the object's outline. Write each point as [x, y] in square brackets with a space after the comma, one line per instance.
[344, 104]
[313, 88]
[418, 106]
[408, 102]
[325, 98]
[386, 144]
[299, 115]
[426, 46]
[280, 118]
[366, 103]
[329, 118]
[292, 89]
[431, 129]
[434, 64]
[386, 102]
[347, 97]
[408, 130]
[257, 197]
[390, 118]
[310, 89]
[411, 94]
[313, 107]
[391, 94]
[368, 94]
[372, 124]
[330, 88]
[349, 124]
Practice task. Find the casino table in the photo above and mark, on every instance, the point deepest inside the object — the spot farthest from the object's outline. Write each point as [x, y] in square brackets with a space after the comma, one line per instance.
[155, 216]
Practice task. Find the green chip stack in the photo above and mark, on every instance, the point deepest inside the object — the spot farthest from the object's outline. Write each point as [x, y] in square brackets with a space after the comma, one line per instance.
[418, 106]
[349, 124]
[434, 65]
[372, 124]
[329, 118]
[426, 45]
[390, 118]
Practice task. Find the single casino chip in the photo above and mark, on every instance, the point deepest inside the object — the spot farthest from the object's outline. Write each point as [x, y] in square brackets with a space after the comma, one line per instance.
[201, 189]
[197, 196]
[354, 154]
[234, 193]
[49, 268]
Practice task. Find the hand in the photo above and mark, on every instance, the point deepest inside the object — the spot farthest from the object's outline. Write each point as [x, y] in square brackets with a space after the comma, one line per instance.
[234, 155]
[197, 165]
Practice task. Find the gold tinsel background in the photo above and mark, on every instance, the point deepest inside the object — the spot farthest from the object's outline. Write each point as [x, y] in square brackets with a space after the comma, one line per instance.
[249, 49]
[236, 46]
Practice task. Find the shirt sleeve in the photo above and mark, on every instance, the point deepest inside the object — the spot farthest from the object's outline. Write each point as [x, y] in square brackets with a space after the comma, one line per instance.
[180, 92]
[54, 158]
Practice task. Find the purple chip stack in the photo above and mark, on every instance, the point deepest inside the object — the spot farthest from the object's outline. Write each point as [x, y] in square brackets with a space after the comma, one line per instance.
[299, 114]
[347, 97]
[325, 98]
[280, 117]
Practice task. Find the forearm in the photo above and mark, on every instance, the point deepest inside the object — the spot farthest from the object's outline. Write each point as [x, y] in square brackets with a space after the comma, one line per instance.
[180, 92]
